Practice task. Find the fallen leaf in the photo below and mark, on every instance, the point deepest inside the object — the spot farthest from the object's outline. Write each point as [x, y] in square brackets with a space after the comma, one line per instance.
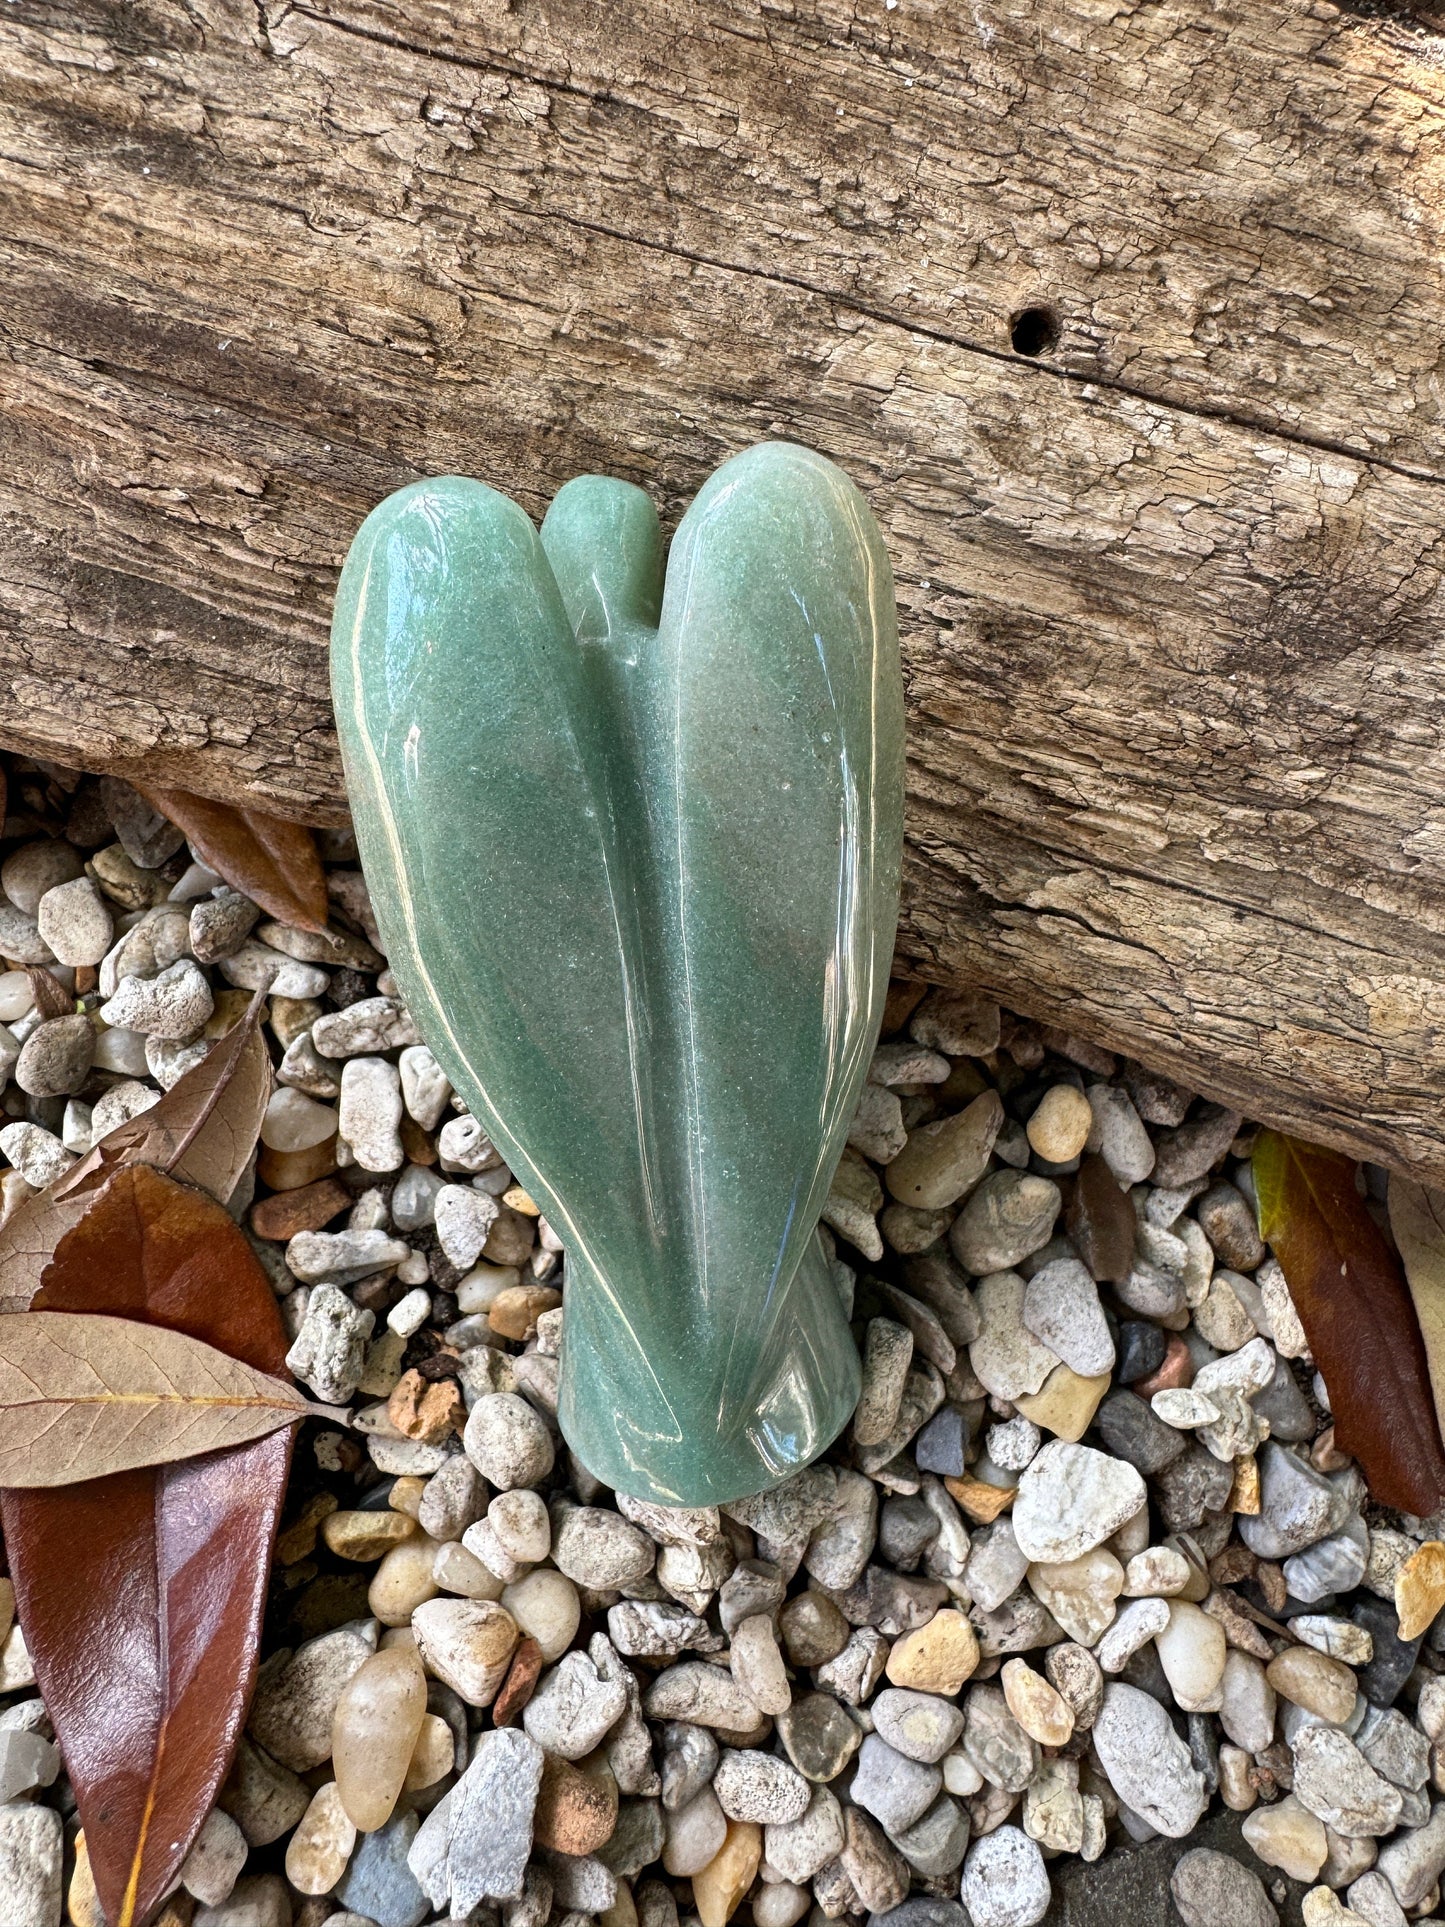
[141, 1594]
[203, 1130]
[1353, 1302]
[1417, 1219]
[271, 861]
[83, 1396]
[52, 999]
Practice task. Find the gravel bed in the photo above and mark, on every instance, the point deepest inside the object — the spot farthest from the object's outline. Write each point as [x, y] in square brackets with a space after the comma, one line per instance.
[1086, 1568]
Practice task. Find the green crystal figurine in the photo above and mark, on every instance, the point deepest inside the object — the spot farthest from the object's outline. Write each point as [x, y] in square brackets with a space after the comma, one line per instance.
[633, 838]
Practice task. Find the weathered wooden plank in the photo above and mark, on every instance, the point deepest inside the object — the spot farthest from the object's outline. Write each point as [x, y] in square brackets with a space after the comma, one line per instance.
[1171, 589]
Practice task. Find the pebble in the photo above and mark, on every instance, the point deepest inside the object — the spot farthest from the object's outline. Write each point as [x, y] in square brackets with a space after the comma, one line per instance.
[820, 1738]
[937, 1657]
[1117, 1133]
[1070, 1499]
[27, 873]
[1060, 1125]
[369, 1114]
[1008, 1216]
[757, 1665]
[260, 1900]
[20, 938]
[1192, 1652]
[1212, 1890]
[475, 1843]
[1139, 1622]
[1339, 1786]
[321, 1846]
[379, 1883]
[468, 1643]
[577, 1808]
[897, 1790]
[329, 1351]
[546, 1607]
[757, 1786]
[31, 1845]
[1321, 1685]
[1248, 1702]
[293, 1711]
[1079, 1593]
[1148, 1765]
[55, 1058]
[1420, 1589]
[218, 1853]
[921, 1726]
[1061, 1308]
[464, 1218]
[799, 1850]
[598, 1548]
[942, 1161]
[1006, 1356]
[887, 1354]
[174, 1005]
[1040, 1710]
[256, 966]
[1289, 1837]
[1005, 1882]
[721, 1884]
[507, 1442]
[378, 1716]
[75, 921]
[38, 1155]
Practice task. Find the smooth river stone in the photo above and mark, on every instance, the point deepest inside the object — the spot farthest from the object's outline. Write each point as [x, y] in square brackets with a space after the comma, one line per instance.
[374, 1733]
[633, 839]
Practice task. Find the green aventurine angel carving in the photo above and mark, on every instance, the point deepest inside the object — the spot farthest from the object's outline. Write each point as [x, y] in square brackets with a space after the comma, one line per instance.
[633, 840]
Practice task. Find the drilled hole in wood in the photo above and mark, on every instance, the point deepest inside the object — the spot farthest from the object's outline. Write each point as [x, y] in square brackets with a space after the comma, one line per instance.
[1035, 331]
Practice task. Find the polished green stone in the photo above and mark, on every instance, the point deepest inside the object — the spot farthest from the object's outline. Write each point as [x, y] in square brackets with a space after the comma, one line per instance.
[633, 840]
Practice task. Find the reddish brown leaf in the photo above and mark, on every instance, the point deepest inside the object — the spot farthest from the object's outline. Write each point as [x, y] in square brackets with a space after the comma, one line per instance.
[1355, 1307]
[141, 1594]
[52, 999]
[271, 861]
[203, 1130]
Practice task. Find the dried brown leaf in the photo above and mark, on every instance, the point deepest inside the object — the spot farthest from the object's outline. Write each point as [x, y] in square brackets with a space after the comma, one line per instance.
[142, 1594]
[271, 861]
[203, 1130]
[1351, 1296]
[83, 1396]
[1417, 1218]
[52, 999]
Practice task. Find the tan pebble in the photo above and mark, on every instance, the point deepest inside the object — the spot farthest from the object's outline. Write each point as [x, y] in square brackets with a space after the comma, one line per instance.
[1244, 1493]
[1080, 1593]
[1159, 1572]
[1322, 1908]
[1420, 1589]
[938, 1657]
[983, 1503]
[546, 1605]
[511, 1238]
[623, 1911]
[290, 1170]
[230, 1007]
[381, 1372]
[298, 1540]
[365, 1536]
[426, 1410]
[576, 1806]
[1326, 1456]
[1060, 1125]
[722, 1883]
[82, 1902]
[466, 1643]
[7, 1608]
[374, 1734]
[1042, 1713]
[1236, 1787]
[433, 1755]
[406, 1493]
[1321, 1685]
[515, 1311]
[519, 1200]
[396, 1636]
[317, 1852]
[1289, 1837]
[1065, 1403]
[457, 1570]
[403, 1580]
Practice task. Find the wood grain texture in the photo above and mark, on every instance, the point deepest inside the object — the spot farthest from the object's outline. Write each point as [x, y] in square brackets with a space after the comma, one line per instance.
[1170, 590]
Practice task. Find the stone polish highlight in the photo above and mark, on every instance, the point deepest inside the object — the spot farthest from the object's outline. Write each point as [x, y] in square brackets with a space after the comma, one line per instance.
[660, 987]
